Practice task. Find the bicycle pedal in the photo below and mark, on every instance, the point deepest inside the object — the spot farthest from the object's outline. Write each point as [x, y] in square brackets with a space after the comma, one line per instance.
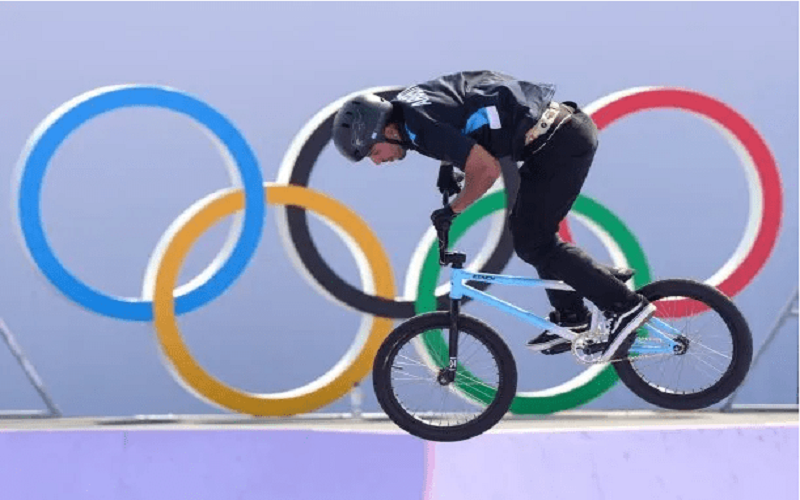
[558, 349]
[595, 348]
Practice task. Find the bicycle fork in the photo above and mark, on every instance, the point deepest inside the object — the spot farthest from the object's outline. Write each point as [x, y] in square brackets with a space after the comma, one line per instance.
[447, 375]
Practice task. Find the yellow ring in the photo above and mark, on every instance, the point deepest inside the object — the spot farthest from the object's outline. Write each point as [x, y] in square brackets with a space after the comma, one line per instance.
[328, 388]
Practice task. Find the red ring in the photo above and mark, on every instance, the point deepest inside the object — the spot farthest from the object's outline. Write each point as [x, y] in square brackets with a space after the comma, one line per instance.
[757, 149]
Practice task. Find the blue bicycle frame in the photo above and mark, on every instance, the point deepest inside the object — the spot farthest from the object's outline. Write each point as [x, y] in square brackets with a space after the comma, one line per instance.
[657, 342]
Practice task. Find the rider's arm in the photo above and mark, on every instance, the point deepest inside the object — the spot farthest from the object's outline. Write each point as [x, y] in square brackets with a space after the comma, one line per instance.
[445, 143]
[481, 170]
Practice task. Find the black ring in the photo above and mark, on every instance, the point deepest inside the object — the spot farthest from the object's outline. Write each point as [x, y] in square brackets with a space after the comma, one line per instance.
[336, 286]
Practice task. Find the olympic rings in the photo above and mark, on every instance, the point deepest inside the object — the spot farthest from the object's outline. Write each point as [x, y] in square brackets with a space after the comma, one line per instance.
[353, 367]
[296, 170]
[764, 185]
[624, 250]
[55, 129]
[377, 300]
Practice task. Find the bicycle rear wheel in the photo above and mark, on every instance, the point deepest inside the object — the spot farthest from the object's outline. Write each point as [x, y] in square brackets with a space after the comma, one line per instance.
[406, 384]
[713, 356]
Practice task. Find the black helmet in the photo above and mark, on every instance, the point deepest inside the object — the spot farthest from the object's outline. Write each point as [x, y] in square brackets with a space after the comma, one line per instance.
[359, 125]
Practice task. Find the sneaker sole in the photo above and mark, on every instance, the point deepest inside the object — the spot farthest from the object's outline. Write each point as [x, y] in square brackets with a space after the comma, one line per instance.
[643, 316]
[578, 329]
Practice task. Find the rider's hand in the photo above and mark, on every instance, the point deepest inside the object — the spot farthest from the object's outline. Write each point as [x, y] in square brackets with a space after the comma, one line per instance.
[443, 218]
[449, 181]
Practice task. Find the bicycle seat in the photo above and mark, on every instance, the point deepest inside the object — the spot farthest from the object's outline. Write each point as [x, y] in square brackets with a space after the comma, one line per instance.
[457, 259]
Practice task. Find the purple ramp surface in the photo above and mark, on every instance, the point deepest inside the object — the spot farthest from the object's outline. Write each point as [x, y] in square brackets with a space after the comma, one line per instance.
[219, 465]
[684, 464]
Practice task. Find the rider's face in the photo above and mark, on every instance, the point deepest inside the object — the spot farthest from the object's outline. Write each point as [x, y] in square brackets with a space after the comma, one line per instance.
[383, 152]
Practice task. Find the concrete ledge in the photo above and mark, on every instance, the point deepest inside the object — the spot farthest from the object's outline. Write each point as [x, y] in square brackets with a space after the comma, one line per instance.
[731, 463]
[587, 455]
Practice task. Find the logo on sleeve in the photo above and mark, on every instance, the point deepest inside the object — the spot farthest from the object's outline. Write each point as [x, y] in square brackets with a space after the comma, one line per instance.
[414, 96]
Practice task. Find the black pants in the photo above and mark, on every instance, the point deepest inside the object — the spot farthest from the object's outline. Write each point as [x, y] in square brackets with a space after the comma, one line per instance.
[550, 180]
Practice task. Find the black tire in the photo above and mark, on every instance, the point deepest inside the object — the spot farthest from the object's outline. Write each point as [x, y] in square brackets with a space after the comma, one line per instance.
[406, 332]
[741, 341]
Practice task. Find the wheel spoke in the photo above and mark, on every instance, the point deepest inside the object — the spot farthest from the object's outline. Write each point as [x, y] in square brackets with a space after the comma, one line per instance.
[430, 404]
[709, 351]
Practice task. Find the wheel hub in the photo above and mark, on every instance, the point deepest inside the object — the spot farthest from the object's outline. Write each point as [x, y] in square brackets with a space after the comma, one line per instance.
[445, 377]
[681, 345]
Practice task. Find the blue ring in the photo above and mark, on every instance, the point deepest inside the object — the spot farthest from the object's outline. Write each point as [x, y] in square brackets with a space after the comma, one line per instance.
[49, 139]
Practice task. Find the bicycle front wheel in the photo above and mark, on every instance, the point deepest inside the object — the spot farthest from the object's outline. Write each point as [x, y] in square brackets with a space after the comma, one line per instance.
[408, 387]
[712, 354]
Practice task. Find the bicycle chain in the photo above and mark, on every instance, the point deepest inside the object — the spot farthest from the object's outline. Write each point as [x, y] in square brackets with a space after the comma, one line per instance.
[581, 358]
[596, 358]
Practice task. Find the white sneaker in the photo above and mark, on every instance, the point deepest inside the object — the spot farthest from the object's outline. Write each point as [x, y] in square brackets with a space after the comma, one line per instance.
[550, 343]
[624, 324]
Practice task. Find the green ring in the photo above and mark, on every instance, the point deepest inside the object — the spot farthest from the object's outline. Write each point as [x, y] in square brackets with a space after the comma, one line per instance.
[433, 341]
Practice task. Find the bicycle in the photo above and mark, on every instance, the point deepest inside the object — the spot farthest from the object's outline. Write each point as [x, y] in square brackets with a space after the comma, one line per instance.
[447, 362]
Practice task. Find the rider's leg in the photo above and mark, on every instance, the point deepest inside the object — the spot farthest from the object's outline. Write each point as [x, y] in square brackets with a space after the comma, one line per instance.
[534, 225]
[550, 181]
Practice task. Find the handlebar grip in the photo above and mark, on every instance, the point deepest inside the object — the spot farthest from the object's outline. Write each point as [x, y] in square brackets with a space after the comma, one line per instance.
[444, 237]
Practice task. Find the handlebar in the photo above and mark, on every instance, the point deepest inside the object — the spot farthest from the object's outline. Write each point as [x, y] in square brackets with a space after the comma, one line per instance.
[455, 258]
